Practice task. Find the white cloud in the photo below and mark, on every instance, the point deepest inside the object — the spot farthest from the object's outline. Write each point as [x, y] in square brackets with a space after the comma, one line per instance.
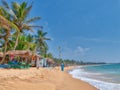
[82, 49]
[76, 53]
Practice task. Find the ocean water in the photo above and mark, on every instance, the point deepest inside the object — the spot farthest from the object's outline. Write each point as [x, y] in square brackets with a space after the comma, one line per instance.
[103, 77]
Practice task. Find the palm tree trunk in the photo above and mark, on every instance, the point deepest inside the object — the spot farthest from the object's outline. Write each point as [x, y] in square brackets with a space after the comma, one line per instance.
[5, 49]
[45, 52]
[5, 45]
[16, 42]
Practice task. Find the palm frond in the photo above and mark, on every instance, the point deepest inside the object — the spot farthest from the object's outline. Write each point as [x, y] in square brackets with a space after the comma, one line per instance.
[22, 10]
[35, 26]
[23, 5]
[2, 10]
[5, 4]
[8, 9]
[26, 27]
[33, 19]
[15, 6]
[4, 23]
[45, 33]
[46, 38]
[7, 24]
[27, 10]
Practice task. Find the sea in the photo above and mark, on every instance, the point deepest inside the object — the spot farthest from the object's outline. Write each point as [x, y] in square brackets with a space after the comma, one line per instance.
[103, 77]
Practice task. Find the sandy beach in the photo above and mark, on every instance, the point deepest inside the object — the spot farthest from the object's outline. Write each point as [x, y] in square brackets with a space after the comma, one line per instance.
[40, 79]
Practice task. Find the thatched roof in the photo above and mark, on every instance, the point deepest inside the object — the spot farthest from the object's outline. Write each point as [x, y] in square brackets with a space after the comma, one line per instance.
[49, 60]
[38, 56]
[22, 53]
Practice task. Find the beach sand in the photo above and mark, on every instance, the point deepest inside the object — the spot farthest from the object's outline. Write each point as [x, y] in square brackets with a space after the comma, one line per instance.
[40, 79]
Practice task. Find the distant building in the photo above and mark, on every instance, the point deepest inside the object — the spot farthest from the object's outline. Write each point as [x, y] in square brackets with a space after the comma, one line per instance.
[43, 62]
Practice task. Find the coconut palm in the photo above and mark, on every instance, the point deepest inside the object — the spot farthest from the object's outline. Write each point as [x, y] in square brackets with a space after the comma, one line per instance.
[49, 55]
[19, 16]
[26, 43]
[5, 29]
[41, 39]
[31, 43]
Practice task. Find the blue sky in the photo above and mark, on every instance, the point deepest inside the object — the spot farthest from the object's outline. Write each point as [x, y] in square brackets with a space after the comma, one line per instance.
[87, 30]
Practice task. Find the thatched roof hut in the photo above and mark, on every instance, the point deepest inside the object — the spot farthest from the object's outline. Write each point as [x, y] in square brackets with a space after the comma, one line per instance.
[50, 61]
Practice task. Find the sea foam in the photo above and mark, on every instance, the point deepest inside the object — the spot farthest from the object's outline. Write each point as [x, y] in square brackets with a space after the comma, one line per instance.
[101, 85]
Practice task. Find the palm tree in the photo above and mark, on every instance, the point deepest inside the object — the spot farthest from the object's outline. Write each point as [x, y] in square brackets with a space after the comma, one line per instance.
[22, 44]
[26, 43]
[41, 39]
[5, 28]
[49, 55]
[5, 37]
[19, 16]
[31, 43]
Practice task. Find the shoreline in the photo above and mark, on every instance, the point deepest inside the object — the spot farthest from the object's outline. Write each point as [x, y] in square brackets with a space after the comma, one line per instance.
[101, 80]
[41, 79]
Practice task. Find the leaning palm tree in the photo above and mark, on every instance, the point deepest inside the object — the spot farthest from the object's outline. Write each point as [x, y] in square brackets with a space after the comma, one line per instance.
[5, 28]
[5, 35]
[19, 16]
[41, 39]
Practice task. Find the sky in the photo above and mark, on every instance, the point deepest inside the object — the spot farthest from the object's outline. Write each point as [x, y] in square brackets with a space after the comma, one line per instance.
[86, 30]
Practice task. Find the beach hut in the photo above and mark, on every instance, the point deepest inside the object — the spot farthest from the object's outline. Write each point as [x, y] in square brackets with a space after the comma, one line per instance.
[46, 62]
[20, 58]
[50, 62]
[23, 55]
[43, 62]
[34, 58]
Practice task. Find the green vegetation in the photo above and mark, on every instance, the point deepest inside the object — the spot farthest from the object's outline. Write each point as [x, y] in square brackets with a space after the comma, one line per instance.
[69, 62]
[42, 46]
[15, 26]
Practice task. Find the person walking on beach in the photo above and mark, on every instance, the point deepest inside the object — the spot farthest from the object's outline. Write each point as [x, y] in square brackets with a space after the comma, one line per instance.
[62, 67]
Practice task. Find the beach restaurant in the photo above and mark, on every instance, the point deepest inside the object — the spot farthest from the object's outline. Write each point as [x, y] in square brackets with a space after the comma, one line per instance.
[19, 57]
[26, 56]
